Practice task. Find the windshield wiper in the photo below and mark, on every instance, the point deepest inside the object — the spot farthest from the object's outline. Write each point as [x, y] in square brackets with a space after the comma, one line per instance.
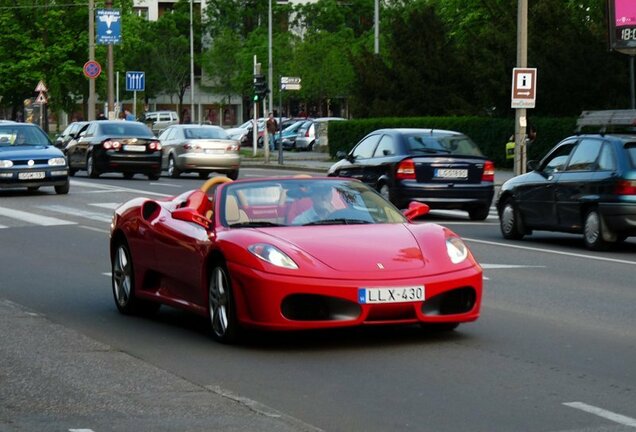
[254, 224]
[339, 221]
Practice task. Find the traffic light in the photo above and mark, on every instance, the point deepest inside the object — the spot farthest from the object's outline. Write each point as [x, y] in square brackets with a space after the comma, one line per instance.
[260, 87]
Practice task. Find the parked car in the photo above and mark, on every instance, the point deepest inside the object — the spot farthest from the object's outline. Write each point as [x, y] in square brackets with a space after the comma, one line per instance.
[243, 133]
[70, 133]
[199, 148]
[157, 121]
[444, 169]
[121, 146]
[307, 136]
[288, 135]
[586, 184]
[28, 159]
[231, 252]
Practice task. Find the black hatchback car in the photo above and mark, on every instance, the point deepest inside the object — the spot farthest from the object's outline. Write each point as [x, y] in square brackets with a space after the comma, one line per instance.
[121, 146]
[443, 169]
[586, 184]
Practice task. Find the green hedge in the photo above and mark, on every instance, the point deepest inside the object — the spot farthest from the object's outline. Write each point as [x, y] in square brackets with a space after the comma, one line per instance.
[491, 134]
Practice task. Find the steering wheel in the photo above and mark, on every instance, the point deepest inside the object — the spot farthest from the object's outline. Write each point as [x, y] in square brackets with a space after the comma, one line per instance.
[205, 187]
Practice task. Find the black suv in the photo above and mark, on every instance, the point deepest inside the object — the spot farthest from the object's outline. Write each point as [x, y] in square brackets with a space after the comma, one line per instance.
[585, 184]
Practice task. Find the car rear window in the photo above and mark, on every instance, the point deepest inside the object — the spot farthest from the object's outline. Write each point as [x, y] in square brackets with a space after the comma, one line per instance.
[205, 133]
[630, 148]
[446, 144]
[126, 129]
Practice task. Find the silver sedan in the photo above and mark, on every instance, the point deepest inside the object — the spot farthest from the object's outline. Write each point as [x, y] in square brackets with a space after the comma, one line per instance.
[199, 148]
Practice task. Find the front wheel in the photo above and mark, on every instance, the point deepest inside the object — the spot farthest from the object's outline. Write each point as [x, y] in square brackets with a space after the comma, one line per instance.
[222, 310]
[123, 282]
[510, 221]
[91, 170]
[173, 171]
[63, 189]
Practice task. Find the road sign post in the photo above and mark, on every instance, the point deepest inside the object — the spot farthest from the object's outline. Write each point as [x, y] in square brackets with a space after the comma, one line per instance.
[135, 81]
[286, 83]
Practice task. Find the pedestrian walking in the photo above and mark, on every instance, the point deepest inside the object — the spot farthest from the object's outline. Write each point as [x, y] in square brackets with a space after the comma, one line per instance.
[272, 127]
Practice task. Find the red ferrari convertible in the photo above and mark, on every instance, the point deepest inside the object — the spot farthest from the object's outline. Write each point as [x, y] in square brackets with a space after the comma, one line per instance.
[290, 253]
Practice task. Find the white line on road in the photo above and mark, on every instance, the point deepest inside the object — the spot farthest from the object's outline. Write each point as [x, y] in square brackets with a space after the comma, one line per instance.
[73, 211]
[534, 249]
[80, 430]
[617, 418]
[167, 184]
[32, 218]
[115, 188]
[507, 266]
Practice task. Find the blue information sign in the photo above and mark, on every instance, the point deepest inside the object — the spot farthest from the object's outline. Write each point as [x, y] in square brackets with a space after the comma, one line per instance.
[135, 81]
[108, 26]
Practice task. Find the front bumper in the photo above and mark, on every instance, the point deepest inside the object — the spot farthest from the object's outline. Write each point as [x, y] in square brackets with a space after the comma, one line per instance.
[52, 176]
[276, 302]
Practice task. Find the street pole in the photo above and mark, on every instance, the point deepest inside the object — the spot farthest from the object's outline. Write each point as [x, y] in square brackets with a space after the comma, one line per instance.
[280, 129]
[257, 70]
[270, 66]
[191, 66]
[632, 86]
[522, 62]
[91, 57]
[111, 77]
[376, 38]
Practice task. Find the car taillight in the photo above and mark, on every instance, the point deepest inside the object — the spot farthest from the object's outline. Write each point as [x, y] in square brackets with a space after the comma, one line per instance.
[192, 147]
[489, 172]
[109, 144]
[232, 147]
[405, 170]
[154, 145]
[626, 187]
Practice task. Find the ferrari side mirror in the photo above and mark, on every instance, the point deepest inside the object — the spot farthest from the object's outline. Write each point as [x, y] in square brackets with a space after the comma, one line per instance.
[415, 210]
[190, 215]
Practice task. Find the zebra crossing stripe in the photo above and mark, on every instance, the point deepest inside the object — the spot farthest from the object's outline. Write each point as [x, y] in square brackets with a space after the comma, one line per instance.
[33, 218]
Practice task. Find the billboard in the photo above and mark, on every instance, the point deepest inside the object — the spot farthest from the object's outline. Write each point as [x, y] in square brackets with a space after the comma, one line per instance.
[622, 25]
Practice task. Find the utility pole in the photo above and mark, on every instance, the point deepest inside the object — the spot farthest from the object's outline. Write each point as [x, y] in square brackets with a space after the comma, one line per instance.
[270, 66]
[522, 62]
[111, 75]
[91, 57]
[191, 67]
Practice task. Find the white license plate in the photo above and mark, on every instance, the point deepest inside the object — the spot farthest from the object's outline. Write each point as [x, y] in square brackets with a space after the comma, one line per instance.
[214, 151]
[391, 294]
[451, 173]
[31, 175]
[135, 148]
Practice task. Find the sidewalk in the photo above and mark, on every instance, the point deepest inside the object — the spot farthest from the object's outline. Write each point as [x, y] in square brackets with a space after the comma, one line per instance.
[320, 163]
[55, 379]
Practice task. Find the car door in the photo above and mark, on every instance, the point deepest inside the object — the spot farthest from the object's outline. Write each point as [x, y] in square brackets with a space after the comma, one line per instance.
[380, 165]
[577, 185]
[76, 149]
[536, 195]
[166, 144]
[359, 158]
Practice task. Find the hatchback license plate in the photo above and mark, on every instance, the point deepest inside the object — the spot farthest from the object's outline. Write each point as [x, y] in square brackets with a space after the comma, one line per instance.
[135, 148]
[451, 173]
[391, 294]
[31, 175]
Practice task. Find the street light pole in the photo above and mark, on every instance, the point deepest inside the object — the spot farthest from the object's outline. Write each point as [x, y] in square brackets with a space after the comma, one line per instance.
[91, 57]
[191, 66]
[270, 73]
[376, 26]
[522, 62]
[111, 68]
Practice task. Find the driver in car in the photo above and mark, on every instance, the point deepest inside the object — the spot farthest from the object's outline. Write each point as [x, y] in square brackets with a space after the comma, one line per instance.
[322, 198]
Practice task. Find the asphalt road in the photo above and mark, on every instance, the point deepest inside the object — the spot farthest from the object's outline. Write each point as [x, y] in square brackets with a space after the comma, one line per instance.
[553, 350]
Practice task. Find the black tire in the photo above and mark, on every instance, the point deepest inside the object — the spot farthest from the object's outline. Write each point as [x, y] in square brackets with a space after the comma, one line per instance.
[173, 171]
[33, 189]
[479, 213]
[221, 307]
[63, 189]
[596, 234]
[232, 174]
[154, 176]
[91, 170]
[510, 221]
[123, 284]
[203, 175]
[128, 175]
[383, 189]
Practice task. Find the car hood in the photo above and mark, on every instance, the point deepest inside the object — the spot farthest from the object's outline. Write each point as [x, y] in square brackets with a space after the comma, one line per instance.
[356, 248]
[30, 152]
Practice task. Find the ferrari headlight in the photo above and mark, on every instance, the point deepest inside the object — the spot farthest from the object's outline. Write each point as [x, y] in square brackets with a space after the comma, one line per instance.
[57, 161]
[6, 164]
[272, 255]
[456, 249]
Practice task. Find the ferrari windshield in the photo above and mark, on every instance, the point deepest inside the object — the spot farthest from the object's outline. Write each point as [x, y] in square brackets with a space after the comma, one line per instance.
[303, 202]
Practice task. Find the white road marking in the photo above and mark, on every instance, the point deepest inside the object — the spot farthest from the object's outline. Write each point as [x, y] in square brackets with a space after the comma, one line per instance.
[506, 266]
[73, 211]
[535, 249]
[80, 430]
[109, 274]
[103, 231]
[617, 418]
[110, 206]
[3, 226]
[167, 184]
[33, 218]
[116, 188]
